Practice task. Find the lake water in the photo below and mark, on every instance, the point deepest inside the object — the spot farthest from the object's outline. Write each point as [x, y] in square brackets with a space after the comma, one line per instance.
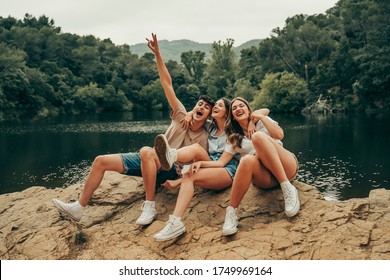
[344, 156]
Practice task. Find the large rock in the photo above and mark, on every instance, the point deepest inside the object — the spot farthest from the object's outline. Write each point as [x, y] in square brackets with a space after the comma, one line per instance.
[31, 228]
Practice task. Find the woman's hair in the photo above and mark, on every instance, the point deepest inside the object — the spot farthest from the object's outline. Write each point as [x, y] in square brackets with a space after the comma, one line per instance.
[226, 102]
[233, 128]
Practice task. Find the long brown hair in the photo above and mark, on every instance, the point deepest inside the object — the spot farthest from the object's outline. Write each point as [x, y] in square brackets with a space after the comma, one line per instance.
[233, 129]
[226, 102]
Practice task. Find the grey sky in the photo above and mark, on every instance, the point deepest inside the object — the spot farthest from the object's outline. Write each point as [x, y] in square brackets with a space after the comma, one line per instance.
[203, 21]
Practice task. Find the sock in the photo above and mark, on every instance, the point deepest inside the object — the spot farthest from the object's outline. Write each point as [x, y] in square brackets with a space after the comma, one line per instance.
[233, 208]
[149, 203]
[175, 217]
[285, 184]
[78, 206]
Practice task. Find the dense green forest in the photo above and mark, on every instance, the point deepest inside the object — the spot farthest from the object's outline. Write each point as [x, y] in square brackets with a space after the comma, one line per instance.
[341, 57]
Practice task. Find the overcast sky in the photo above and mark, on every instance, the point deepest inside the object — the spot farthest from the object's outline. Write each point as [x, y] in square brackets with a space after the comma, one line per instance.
[203, 21]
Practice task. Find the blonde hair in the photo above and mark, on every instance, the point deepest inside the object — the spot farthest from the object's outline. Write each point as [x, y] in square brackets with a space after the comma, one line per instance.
[233, 129]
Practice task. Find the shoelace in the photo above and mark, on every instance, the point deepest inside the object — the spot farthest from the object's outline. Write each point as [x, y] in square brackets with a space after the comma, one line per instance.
[288, 195]
[145, 210]
[168, 227]
[231, 218]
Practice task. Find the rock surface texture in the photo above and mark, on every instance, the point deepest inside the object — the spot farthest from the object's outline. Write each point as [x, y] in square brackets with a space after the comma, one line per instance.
[32, 229]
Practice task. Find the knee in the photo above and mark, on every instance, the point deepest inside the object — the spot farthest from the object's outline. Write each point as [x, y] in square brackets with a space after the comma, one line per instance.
[99, 162]
[186, 178]
[146, 153]
[247, 162]
[187, 182]
[259, 137]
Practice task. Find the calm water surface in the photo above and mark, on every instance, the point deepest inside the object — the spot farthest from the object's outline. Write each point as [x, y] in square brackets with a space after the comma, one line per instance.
[344, 156]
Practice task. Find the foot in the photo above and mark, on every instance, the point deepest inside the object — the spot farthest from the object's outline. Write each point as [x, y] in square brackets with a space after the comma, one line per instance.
[173, 228]
[231, 221]
[166, 155]
[148, 213]
[291, 199]
[73, 210]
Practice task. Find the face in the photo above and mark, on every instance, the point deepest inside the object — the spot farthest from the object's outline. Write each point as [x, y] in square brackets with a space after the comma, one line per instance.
[219, 110]
[240, 110]
[201, 111]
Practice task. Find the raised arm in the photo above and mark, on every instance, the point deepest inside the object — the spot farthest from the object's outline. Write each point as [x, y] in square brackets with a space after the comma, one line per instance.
[165, 77]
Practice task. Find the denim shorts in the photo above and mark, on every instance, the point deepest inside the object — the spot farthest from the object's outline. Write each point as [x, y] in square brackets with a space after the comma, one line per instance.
[231, 166]
[132, 167]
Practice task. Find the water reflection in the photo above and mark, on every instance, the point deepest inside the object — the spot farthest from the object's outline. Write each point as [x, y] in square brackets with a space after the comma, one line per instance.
[111, 127]
[343, 156]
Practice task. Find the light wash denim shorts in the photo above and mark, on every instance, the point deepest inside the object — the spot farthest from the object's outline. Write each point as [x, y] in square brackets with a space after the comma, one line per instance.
[231, 166]
[132, 165]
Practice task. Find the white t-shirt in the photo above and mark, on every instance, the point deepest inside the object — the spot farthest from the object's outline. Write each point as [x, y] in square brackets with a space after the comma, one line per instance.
[247, 147]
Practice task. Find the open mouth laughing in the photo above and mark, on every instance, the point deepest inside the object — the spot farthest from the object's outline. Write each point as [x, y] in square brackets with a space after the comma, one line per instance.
[200, 113]
[239, 113]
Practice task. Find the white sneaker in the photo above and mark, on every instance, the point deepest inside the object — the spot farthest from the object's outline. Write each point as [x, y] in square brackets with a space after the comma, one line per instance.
[166, 155]
[231, 221]
[173, 228]
[185, 169]
[74, 210]
[148, 213]
[291, 199]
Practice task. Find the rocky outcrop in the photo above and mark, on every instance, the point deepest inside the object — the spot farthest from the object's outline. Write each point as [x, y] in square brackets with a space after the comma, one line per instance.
[31, 228]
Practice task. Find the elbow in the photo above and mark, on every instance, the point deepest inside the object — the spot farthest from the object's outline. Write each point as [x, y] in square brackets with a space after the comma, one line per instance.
[277, 134]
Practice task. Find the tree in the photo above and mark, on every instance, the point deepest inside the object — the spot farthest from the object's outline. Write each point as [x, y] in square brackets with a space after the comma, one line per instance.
[251, 66]
[188, 95]
[152, 96]
[115, 101]
[88, 98]
[243, 88]
[282, 92]
[11, 58]
[194, 63]
[221, 71]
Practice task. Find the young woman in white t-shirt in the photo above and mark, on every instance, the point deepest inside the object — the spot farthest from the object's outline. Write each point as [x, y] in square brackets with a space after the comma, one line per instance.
[264, 161]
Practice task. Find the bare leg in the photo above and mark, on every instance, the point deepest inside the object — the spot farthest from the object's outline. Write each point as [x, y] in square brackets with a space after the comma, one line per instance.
[210, 178]
[149, 166]
[100, 165]
[194, 152]
[249, 170]
[280, 162]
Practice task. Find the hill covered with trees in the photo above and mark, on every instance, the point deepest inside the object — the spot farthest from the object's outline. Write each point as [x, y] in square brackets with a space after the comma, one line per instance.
[342, 56]
[172, 50]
